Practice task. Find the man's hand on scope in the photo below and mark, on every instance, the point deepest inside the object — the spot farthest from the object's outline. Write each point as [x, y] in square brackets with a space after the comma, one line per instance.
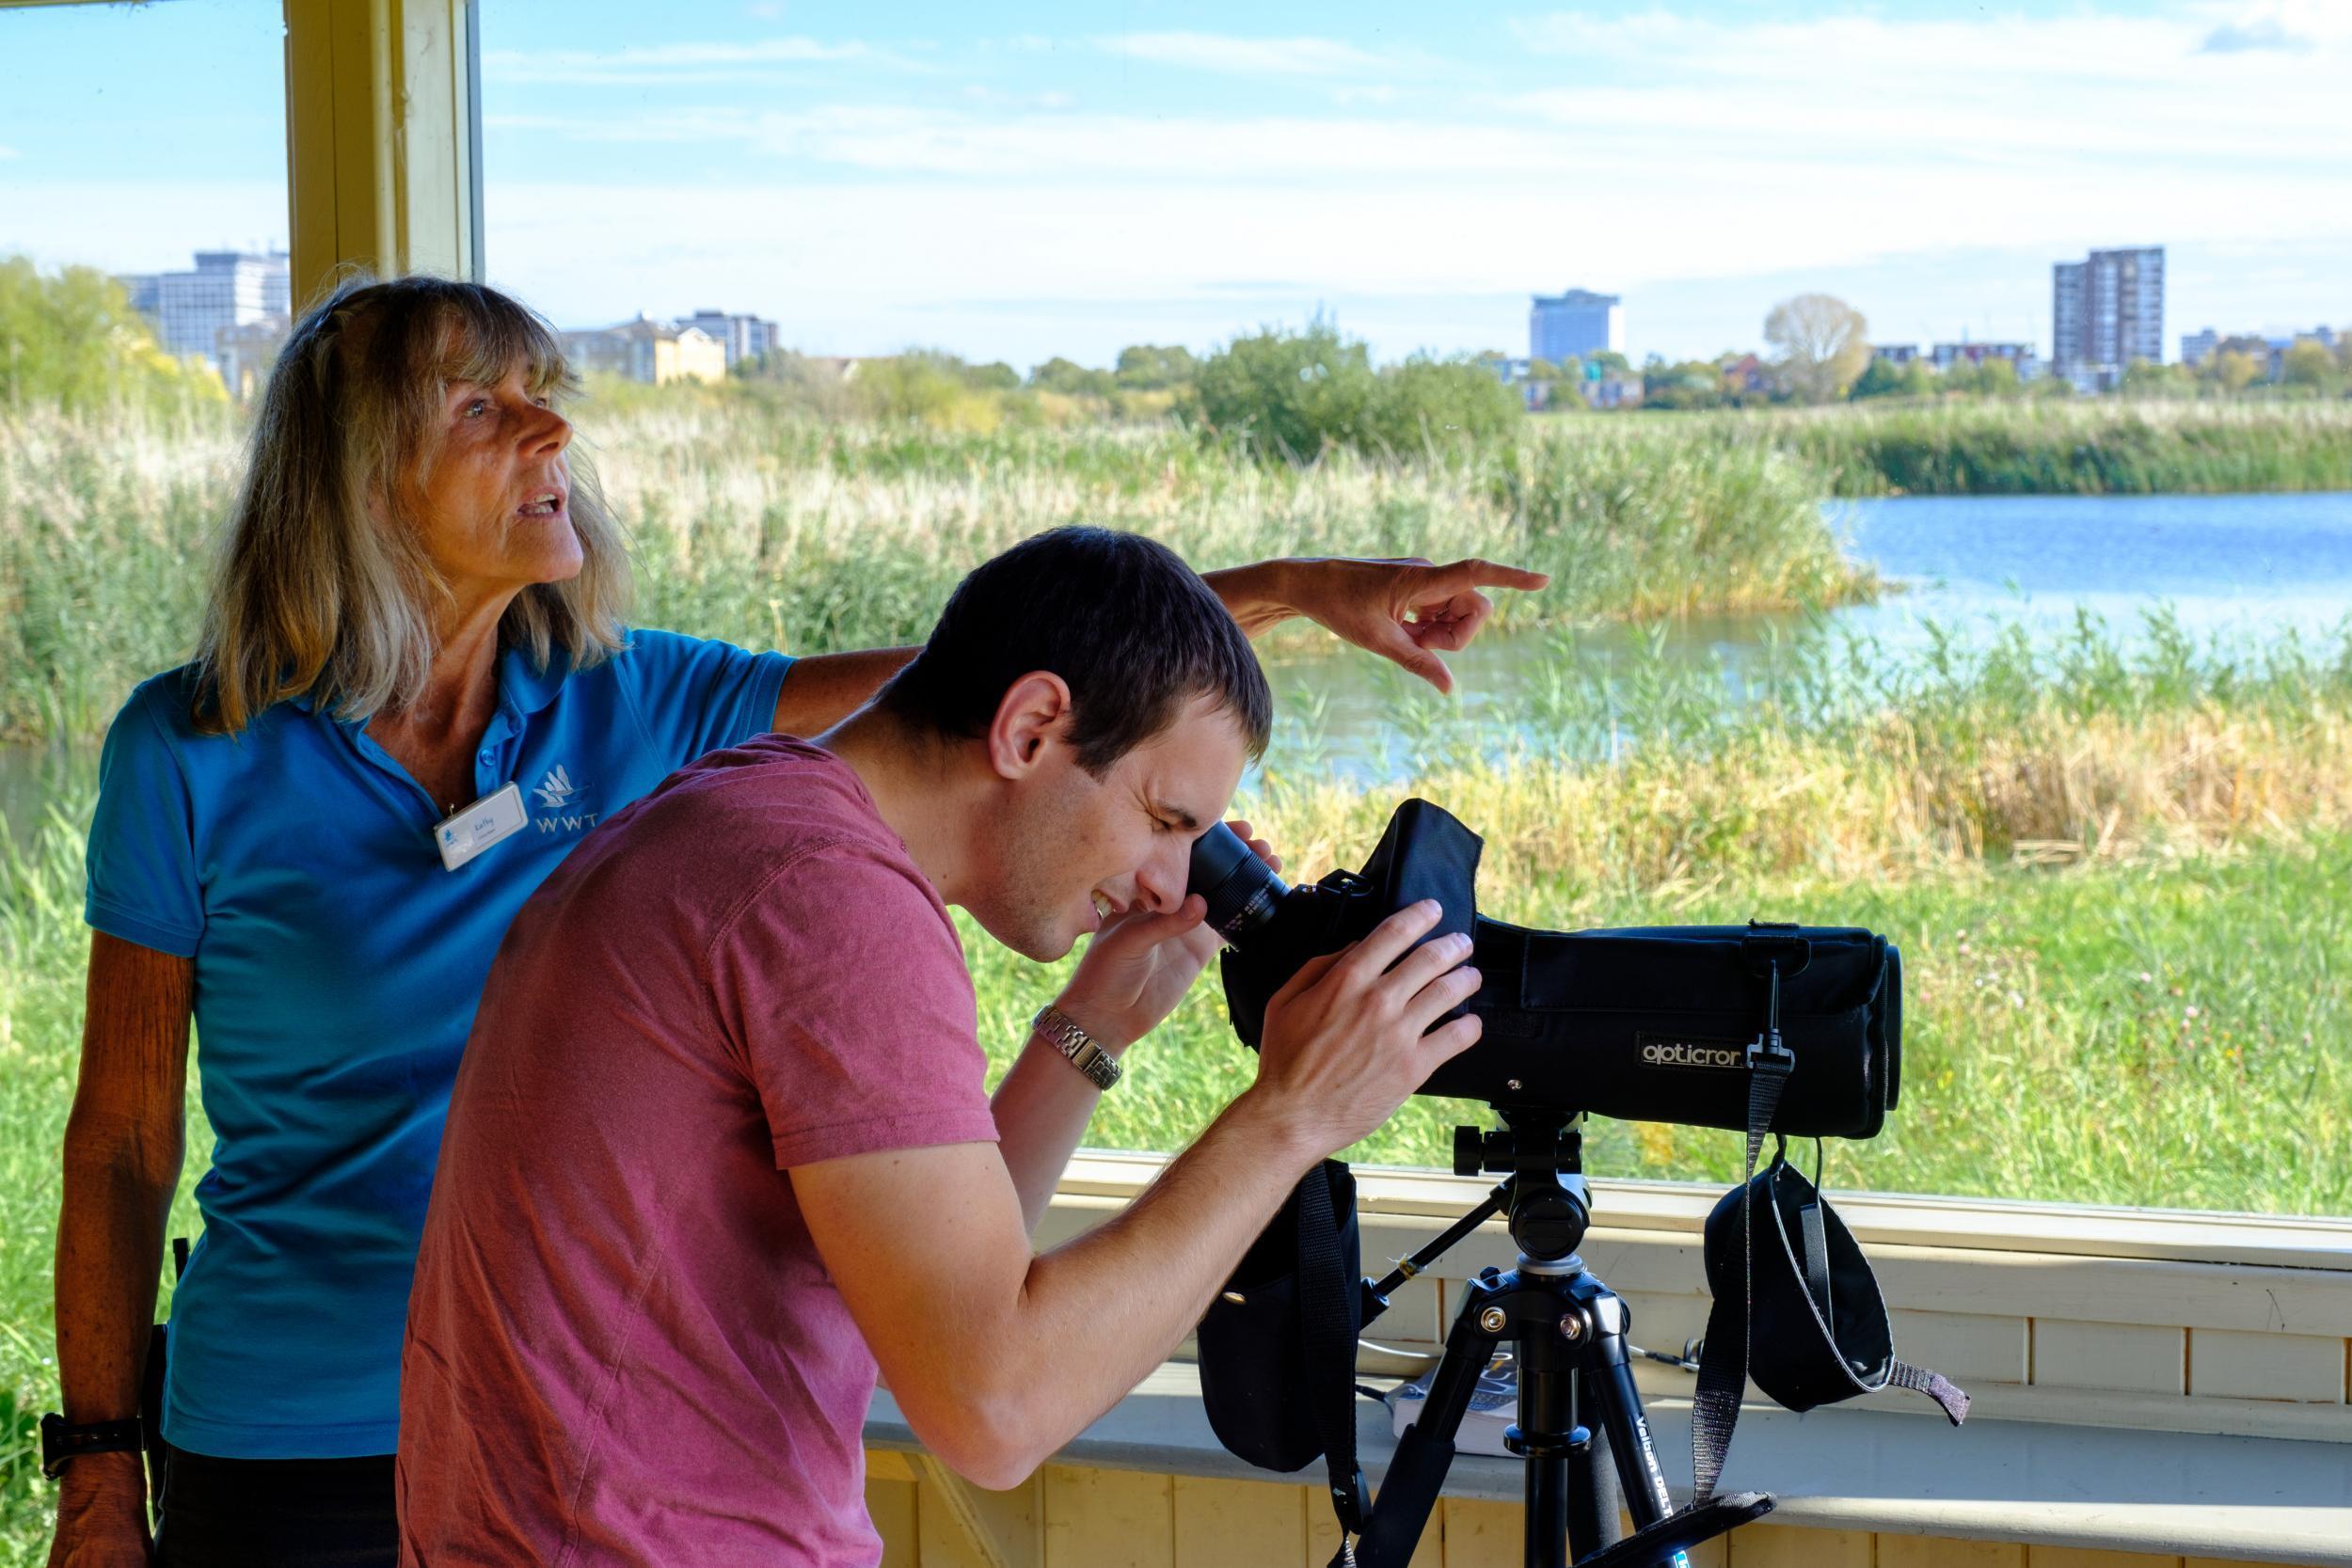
[1139, 966]
[1408, 610]
[1347, 1038]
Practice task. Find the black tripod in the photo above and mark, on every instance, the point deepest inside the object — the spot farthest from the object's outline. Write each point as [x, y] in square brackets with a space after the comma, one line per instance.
[1567, 1331]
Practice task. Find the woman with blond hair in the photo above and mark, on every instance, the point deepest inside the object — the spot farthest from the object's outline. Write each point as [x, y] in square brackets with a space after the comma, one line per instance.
[415, 691]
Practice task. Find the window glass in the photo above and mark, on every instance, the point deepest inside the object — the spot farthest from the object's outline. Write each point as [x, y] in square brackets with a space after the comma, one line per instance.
[142, 294]
[1934, 421]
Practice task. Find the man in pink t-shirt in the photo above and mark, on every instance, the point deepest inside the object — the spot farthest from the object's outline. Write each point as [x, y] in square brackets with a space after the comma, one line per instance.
[720, 1143]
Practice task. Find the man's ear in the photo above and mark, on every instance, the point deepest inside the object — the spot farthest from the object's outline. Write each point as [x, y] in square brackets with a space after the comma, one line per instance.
[1033, 714]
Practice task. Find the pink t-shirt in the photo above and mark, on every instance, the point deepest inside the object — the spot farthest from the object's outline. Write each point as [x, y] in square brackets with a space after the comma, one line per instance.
[623, 1347]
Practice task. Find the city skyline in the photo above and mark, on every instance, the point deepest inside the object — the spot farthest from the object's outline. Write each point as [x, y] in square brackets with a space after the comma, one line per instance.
[1067, 190]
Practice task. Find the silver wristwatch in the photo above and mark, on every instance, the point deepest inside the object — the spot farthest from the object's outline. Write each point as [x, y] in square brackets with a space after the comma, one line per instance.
[1076, 1044]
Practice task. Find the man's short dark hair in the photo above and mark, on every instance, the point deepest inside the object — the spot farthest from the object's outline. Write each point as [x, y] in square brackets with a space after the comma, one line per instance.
[1128, 627]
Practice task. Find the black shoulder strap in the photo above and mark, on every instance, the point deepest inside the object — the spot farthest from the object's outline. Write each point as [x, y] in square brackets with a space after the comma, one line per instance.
[1902, 1374]
[1724, 1360]
[1326, 1321]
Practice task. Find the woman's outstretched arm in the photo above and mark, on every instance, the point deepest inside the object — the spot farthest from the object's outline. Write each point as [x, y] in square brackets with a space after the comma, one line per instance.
[1405, 610]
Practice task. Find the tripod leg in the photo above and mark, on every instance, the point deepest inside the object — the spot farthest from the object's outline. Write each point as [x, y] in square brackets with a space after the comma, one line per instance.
[1593, 1495]
[1416, 1475]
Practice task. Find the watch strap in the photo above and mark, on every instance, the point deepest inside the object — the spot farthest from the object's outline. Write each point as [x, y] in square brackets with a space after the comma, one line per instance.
[1099, 1065]
[60, 1442]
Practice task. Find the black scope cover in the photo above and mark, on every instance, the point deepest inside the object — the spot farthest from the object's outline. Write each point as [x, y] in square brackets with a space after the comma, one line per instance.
[1653, 1023]
[1647, 1023]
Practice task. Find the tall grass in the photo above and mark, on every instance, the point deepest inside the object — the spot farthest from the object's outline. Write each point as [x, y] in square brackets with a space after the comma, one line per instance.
[2093, 447]
[43, 949]
[784, 533]
[778, 530]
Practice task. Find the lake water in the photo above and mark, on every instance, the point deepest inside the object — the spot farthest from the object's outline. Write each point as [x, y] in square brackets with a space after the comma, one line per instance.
[2239, 568]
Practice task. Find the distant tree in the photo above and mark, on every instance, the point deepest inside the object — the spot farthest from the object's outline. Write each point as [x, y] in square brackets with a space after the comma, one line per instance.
[2232, 370]
[70, 339]
[996, 376]
[1292, 395]
[1542, 370]
[1610, 362]
[918, 384]
[1983, 378]
[1149, 367]
[1824, 343]
[1426, 402]
[2053, 388]
[1693, 383]
[1061, 375]
[2309, 363]
[1884, 379]
[2145, 378]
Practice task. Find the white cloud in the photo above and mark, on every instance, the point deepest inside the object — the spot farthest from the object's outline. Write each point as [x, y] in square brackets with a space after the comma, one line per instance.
[903, 140]
[1248, 57]
[2062, 99]
[6, 153]
[2294, 26]
[672, 62]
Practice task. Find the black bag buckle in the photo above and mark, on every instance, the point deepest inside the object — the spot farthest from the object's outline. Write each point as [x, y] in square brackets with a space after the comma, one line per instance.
[1765, 1054]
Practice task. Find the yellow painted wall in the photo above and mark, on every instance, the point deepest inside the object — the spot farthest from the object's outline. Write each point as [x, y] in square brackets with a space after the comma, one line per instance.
[1122, 1519]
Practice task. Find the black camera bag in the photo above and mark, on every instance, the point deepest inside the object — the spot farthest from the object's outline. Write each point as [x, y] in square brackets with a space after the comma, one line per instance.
[1278, 1345]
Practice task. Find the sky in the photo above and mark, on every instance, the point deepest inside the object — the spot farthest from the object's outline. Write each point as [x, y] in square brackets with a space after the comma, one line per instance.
[1017, 182]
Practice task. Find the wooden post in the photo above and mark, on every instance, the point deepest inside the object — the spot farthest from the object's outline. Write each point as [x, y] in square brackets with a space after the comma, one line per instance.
[383, 150]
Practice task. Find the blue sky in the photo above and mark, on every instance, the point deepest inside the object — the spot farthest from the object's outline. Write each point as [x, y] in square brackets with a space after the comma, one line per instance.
[1019, 182]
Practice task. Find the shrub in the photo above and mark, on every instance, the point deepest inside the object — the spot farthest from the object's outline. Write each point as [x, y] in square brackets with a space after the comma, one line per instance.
[1294, 394]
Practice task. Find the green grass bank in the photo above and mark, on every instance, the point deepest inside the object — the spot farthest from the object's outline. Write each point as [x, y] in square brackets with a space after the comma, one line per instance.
[2102, 447]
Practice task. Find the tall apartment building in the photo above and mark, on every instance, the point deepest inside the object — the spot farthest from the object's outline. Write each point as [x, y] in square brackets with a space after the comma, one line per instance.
[739, 337]
[227, 289]
[2105, 312]
[1574, 325]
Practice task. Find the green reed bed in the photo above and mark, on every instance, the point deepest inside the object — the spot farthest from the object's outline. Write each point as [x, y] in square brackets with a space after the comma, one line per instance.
[2102, 446]
[769, 527]
[778, 531]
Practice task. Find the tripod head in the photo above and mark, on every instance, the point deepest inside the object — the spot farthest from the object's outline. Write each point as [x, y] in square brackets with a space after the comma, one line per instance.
[1541, 1153]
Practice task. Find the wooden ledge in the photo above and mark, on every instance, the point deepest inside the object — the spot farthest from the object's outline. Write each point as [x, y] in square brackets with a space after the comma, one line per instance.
[1882, 1219]
[1855, 1467]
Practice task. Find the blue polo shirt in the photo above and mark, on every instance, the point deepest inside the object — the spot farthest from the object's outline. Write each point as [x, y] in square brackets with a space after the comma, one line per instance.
[337, 969]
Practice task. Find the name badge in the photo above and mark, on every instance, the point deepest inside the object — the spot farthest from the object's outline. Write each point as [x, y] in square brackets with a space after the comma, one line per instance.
[464, 834]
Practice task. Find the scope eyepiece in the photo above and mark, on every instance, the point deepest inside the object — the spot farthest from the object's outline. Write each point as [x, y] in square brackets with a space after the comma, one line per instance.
[1242, 890]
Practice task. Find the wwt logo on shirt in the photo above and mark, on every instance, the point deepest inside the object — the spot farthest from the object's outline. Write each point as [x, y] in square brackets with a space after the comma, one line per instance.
[557, 791]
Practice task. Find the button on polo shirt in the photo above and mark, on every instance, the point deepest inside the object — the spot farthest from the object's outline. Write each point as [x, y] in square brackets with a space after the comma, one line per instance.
[337, 969]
